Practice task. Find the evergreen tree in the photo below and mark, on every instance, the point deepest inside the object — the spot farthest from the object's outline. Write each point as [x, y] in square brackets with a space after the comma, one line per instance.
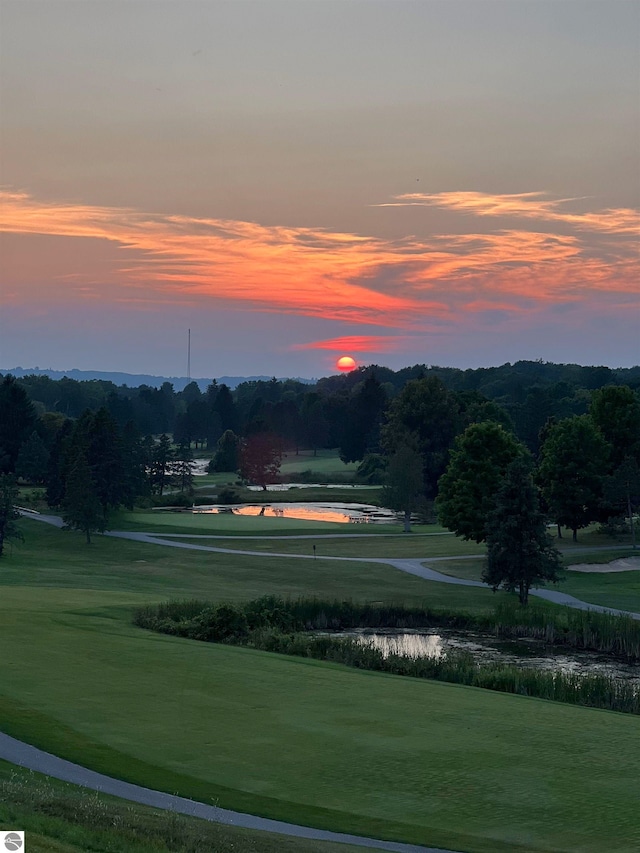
[59, 464]
[362, 429]
[104, 455]
[226, 410]
[227, 455]
[162, 457]
[314, 423]
[213, 422]
[136, 462]
[33, 460]
[82, 509]
[17, 421]
[520, 552]
[183, 469]
[8, 513]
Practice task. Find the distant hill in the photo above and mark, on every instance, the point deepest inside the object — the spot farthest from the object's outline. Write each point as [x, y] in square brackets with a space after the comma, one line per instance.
[134, 380]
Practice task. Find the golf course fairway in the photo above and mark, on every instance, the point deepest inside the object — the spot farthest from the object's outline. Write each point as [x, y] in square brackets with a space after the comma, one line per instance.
[289, 738]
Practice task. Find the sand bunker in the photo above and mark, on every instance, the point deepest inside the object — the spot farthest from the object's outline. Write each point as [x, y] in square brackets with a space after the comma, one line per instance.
[629, 564]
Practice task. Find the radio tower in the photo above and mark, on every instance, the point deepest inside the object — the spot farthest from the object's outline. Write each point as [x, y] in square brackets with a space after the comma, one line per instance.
[189, 356]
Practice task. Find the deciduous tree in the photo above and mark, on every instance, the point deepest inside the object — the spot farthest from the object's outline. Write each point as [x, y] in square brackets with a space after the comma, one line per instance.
[404, 488]
[615, 410]
[425, 415]
[260, 458]
[574, 460]
[467, 490]
[622, 490]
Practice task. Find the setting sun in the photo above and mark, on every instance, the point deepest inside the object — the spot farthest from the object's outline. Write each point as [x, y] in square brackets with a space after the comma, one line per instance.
[346, 364]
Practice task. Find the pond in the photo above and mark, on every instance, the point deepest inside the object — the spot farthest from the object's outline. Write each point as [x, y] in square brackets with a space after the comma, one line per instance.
[343, 513]
[285, 487]
[488, 649]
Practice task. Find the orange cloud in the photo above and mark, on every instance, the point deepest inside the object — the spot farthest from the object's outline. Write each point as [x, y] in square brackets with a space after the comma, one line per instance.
[358, 343]
[531, 205]
[407, 284]
[302, 270]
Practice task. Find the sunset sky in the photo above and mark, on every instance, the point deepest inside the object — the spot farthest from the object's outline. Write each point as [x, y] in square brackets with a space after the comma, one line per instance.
[452, 182]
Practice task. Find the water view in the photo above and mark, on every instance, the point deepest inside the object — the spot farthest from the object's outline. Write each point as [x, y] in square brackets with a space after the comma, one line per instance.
[342, 513]
[488, 649]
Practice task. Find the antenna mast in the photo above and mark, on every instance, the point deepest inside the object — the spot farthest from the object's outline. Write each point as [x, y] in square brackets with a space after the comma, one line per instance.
[189, 356]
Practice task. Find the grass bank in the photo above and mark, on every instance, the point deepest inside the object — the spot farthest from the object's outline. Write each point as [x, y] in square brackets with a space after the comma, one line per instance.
[288, 627]
[62, 818]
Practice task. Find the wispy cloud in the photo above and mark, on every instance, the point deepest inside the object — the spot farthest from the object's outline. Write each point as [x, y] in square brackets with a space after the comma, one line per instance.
[301, 270]
[406, 285]
[359, 343]
[532, 205]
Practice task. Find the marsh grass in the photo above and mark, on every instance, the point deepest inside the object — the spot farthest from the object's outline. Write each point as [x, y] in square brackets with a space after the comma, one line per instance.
[579, 629]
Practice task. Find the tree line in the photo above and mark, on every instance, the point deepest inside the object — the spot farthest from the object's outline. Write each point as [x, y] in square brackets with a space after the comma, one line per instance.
[427, 442]
[343, 411]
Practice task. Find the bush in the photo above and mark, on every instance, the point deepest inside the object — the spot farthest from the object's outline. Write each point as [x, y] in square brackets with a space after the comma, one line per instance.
[228, 496]
[615, 527]
[372, 469]
[178, 500]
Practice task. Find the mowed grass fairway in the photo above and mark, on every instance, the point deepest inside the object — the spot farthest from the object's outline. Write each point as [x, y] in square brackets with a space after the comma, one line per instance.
[300, 740]
[380, 546]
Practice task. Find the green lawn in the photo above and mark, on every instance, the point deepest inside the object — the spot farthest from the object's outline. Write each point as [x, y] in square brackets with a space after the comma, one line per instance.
[292, 738]
[617, 589]
[381, 546]
[54, 558]
[375, 754]
[324, 463]
[589, 537]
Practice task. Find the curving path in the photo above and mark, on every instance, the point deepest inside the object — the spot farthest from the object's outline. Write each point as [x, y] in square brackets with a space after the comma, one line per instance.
[27, 756]
[415, 566]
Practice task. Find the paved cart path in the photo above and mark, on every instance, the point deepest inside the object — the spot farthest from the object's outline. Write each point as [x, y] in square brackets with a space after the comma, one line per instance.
[28, 756]
[414, 566]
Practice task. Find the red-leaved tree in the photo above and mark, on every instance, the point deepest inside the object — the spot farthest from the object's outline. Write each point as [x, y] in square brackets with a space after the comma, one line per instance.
[260, 458]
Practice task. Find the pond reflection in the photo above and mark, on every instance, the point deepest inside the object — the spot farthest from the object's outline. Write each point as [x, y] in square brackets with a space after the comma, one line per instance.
[342, 513]
[488, 649]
